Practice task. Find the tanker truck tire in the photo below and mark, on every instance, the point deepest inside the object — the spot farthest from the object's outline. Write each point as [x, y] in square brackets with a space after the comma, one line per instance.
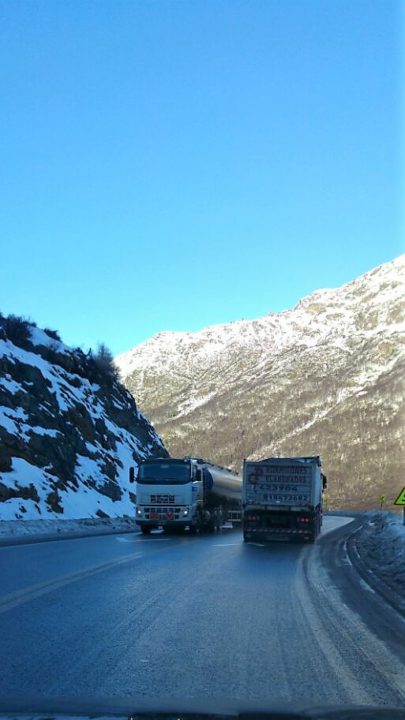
[145, 529]
[179, 530]
[314, 533]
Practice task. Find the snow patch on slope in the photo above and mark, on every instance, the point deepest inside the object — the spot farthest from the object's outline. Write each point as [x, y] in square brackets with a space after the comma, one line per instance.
[43, 399]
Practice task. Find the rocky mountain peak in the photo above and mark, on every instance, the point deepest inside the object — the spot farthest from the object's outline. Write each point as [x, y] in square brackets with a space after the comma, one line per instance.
[325, 377]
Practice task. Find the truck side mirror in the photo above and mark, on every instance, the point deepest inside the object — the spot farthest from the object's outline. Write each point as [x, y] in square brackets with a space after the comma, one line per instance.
[198, 474]
[131, 474]
[324, 482]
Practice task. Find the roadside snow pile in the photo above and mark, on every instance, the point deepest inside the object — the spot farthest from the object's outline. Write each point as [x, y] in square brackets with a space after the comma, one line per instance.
[381, 545]
[14, 531]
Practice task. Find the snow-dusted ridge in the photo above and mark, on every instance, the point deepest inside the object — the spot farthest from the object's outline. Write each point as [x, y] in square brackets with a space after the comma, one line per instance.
[325, 377]
[325, 315]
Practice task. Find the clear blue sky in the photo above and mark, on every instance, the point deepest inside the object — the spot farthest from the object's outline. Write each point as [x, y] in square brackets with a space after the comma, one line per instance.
[169, 164]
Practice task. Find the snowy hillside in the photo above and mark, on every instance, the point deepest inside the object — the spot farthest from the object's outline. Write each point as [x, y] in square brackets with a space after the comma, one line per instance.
[323, 378]
[68, 430]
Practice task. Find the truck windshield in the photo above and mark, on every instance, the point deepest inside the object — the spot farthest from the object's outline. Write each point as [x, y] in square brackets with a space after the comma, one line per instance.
[161, 473]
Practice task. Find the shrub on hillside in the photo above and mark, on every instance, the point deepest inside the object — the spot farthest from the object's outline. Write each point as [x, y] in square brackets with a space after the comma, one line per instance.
[52, 334]
[18, 330]
[104, 361]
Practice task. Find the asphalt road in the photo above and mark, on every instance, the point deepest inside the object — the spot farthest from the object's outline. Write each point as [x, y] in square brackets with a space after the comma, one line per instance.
[197, 617]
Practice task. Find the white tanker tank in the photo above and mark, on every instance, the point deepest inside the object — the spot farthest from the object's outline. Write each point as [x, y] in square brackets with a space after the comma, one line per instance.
[220, 482]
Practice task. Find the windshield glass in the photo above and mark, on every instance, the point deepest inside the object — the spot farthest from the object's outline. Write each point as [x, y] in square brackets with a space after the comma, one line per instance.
[202, 315]
[164, 472]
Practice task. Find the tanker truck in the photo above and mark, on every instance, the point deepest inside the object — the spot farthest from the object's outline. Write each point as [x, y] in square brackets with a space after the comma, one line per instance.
[282, 498]
[176, 493]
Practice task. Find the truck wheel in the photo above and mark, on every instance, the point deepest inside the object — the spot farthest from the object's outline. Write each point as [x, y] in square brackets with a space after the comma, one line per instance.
[312, 536]
[193, 529]
[246, 537]
[145, 529]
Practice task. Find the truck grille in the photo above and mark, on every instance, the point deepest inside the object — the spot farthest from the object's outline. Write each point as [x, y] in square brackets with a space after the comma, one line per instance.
[162, 499]
[163, 513]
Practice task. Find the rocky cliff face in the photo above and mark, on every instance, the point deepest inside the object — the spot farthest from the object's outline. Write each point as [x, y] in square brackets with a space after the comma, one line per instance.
[326, 377]
[68, 430]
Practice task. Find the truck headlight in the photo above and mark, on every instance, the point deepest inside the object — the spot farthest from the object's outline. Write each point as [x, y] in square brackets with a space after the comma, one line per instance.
[185, 512]
[139, 511]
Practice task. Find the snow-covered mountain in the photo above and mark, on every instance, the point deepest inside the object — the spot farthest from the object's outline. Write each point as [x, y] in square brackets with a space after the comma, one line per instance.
[68, 430]
[326, 377]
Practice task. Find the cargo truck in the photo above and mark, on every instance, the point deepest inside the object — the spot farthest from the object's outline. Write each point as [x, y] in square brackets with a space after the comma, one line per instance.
[282, 498]
[176, 493]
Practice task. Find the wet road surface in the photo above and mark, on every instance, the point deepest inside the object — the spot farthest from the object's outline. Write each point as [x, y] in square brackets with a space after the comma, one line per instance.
[192, 617]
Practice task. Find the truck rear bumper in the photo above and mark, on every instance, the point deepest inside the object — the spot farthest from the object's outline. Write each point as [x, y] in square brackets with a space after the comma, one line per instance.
[164, 523]
[273, 535]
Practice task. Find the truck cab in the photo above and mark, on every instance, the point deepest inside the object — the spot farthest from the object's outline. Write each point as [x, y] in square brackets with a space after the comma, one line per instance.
[167, 493]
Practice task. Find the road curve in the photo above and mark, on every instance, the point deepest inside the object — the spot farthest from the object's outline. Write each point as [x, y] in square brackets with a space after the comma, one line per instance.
[183, 617]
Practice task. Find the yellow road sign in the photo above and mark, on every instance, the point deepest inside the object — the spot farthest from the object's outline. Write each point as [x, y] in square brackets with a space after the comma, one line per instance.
[401, 498]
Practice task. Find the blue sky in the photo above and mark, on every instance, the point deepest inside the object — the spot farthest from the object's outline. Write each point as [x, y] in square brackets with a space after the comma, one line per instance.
[170, 164]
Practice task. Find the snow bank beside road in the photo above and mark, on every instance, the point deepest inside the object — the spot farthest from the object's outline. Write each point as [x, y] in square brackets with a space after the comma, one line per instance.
[380, 543]
[20, 531]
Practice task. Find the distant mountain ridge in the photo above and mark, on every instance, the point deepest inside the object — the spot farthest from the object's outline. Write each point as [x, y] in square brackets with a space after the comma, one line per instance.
[68, 430]
[326, 377]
